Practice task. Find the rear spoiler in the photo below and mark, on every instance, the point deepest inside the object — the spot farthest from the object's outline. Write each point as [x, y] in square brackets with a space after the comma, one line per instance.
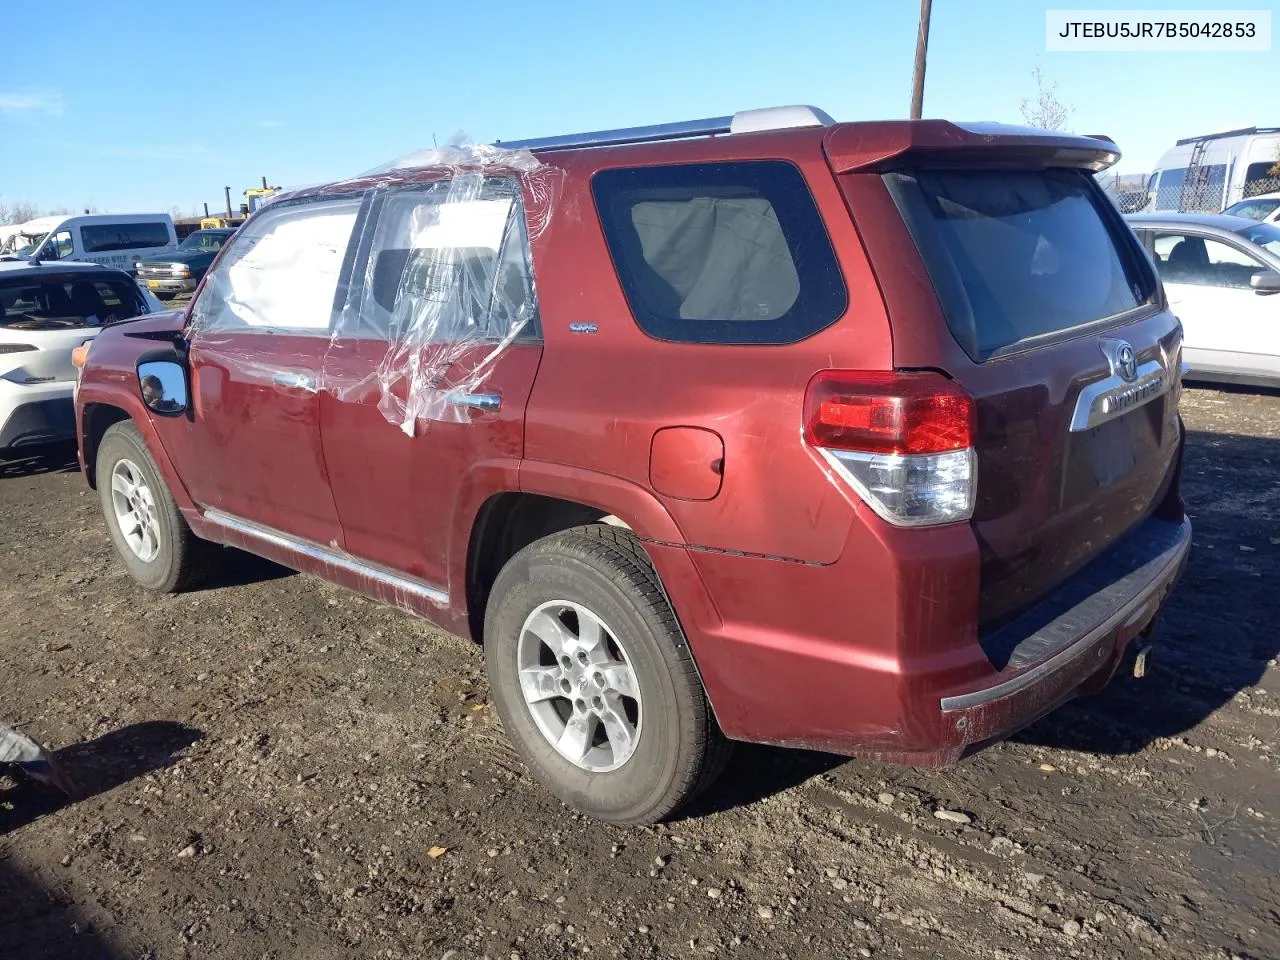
[875, 147]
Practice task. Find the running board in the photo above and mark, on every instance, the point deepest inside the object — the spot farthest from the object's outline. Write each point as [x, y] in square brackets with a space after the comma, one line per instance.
[330, 555]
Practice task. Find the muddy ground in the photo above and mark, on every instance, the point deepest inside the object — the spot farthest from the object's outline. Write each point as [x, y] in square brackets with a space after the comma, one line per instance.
[279, 768]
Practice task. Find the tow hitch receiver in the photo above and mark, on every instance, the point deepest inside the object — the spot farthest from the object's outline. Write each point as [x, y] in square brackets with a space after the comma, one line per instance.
[1141, 660]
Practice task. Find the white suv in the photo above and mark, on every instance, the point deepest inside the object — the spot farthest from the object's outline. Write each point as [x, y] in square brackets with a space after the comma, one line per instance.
[46, 311]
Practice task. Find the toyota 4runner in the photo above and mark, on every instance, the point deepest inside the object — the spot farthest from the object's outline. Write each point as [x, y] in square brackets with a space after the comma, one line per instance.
[861, 437]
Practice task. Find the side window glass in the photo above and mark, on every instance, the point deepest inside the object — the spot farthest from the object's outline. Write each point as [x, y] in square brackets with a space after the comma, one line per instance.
[59, 247]
[448, 264]
[281, 272]
[104, 237]
[1203, 261]
[720, 252]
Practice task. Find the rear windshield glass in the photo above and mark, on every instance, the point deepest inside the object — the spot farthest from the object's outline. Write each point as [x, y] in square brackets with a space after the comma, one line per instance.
[1017, 256]
[59, 303]
[721, 252]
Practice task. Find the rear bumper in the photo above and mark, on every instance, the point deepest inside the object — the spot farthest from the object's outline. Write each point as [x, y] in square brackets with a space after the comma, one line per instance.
[1071, 641]
[879, 654]
[35, 414]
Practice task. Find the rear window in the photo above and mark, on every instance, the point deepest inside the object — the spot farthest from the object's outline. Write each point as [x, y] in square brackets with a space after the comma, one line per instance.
[102, 237]
[720, 252]
[1262, 177]
[1018, 257]
[61, 303]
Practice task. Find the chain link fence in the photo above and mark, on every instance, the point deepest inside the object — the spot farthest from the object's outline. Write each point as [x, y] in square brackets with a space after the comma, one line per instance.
[1196, 188]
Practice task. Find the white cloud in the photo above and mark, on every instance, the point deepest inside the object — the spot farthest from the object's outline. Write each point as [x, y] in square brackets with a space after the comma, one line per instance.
[270, 124]
[14, 104]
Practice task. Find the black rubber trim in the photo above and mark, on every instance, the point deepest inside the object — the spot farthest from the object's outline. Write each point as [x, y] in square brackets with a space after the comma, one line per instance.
[1088, 606]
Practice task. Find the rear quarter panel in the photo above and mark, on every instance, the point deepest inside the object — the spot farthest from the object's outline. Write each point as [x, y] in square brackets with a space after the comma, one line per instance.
[600, 396]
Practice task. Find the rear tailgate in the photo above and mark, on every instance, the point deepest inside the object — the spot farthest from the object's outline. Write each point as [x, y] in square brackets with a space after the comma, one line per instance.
[1004, 267]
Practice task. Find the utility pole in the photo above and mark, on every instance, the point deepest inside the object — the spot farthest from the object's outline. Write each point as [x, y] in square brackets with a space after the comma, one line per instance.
[922, 48]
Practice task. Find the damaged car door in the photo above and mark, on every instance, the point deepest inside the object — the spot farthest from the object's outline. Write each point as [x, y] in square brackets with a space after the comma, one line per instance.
[431, 367]
[258, 334]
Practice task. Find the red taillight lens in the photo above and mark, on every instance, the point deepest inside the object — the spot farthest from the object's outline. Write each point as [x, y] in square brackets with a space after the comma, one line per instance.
[883, 412]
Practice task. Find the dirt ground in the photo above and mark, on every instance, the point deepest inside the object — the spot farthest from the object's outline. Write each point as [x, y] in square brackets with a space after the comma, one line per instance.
[279, 768]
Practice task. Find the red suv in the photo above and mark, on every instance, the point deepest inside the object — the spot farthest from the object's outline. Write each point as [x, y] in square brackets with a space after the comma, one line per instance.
[861, 437]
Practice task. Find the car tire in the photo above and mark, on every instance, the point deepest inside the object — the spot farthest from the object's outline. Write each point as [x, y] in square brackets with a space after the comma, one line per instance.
[153, 540]
[596, 584]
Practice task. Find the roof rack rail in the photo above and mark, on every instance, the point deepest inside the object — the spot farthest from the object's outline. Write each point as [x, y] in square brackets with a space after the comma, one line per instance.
[1242, 132]
[744, 121]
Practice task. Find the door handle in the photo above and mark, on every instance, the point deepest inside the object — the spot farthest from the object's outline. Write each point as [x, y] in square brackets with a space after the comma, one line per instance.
[476, 401]
[298, 381]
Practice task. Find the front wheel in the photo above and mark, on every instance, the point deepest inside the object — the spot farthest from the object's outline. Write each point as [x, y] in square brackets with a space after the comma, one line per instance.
[594, 681]
[157, 547]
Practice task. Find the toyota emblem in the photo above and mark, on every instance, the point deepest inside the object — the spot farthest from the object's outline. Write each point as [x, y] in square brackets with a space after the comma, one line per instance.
[1126, 362]
[1120, 358]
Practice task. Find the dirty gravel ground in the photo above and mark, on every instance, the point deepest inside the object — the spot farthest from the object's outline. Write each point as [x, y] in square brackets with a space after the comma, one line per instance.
[282, 769]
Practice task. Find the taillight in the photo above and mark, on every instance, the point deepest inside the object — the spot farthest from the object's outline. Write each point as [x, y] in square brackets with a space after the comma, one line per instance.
[902, 441]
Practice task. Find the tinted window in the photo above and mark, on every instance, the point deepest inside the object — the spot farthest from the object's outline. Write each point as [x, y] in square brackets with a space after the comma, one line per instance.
[56, 303]
[1020, 255]
[282, 270]
[102, 237]
[721, 252]
[448, 264]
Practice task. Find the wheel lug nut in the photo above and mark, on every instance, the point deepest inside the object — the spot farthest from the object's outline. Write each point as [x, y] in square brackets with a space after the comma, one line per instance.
[566, 663]
[580, 705]
[598, 678]
[582, 657]
[597, 703]
[565, 685]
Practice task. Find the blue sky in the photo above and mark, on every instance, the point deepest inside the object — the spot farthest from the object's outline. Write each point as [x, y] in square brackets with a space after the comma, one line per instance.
[146, 106]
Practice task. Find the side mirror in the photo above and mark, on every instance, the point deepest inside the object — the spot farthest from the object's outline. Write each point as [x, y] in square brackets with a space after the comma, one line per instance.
[163, 384]
[1265, 281]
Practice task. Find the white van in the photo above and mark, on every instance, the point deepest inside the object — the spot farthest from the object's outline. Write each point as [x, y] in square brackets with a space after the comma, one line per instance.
[114, 239]
[1206, 174]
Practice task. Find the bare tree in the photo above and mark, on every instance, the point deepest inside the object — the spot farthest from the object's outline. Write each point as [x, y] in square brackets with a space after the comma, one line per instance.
[23, 210]
[1045, 110]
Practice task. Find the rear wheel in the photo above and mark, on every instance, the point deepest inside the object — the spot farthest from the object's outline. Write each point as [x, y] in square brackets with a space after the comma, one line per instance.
[594, 681]
[157, 547]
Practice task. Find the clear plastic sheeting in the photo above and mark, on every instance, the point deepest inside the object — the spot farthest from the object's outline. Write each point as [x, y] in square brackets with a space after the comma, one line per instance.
[418, 273]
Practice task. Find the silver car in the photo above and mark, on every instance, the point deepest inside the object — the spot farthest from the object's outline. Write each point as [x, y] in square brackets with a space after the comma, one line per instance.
[1222, 278]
